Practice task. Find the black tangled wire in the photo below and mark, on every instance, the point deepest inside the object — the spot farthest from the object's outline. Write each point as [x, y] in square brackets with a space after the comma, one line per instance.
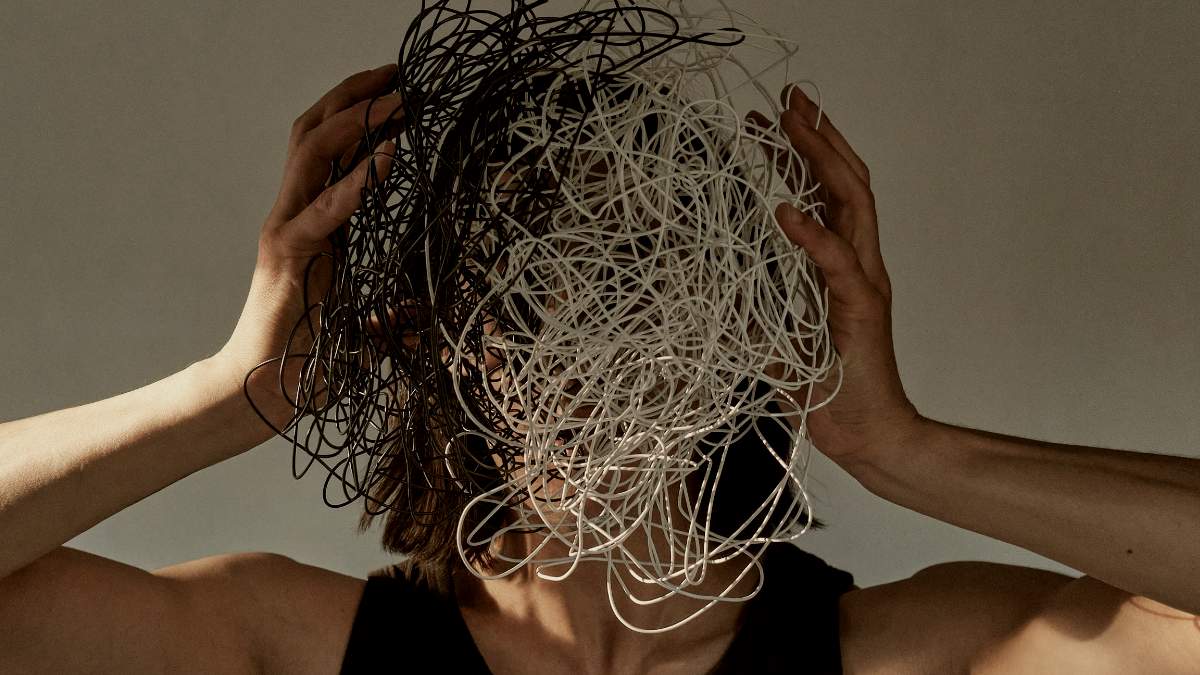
[416, 255]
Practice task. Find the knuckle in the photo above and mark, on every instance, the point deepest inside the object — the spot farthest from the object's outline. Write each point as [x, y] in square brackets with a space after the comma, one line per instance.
[301, 125]
[271, 229]
[860, 204]
[326, 202]
[885, 283]
[860, 193]
[844, 250]
[885, 290]
[269, 239]
[877, 302]
[303, 149]
[294, 140]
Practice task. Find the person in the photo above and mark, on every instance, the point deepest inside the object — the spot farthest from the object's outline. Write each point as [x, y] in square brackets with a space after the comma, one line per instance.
[1126, 519]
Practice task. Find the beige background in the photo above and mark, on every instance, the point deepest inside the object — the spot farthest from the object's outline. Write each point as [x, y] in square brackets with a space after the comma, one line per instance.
[1036, 168]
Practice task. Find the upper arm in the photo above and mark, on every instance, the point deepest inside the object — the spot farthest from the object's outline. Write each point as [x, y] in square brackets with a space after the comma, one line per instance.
[292, 617]
[72, 611]
[1088, 626]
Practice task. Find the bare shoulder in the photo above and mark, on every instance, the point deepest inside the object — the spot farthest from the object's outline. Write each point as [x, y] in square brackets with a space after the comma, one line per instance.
[296, 617]
[938, 619]
[1089, 626]
[987, 618]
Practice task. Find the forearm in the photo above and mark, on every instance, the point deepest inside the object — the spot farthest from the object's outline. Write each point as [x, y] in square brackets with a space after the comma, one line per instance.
[1129, 519]
[64, 471]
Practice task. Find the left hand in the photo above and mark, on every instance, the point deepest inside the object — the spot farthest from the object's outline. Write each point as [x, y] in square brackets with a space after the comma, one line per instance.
[871, 414]
[283, 300]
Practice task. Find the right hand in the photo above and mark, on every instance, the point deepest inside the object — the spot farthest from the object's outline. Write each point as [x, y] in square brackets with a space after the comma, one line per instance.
[870, 415]
[305, 213]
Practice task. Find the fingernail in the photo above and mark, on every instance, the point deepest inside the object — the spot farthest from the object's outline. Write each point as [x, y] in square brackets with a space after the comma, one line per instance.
[382, 68]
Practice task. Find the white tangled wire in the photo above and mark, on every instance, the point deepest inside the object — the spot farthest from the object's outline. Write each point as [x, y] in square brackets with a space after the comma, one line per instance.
[662, 283]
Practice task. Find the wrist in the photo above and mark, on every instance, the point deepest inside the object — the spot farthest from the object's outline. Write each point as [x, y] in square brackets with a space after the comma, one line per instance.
[901, 462]
[225, 378]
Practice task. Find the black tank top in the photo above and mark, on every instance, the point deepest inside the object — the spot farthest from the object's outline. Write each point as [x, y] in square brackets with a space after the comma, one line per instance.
[791, 626]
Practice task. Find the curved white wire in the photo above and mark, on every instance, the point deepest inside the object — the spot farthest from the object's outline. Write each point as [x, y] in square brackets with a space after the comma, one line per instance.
[661, 282]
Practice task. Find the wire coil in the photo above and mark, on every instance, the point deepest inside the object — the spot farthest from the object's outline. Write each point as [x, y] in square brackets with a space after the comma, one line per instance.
[572, 276]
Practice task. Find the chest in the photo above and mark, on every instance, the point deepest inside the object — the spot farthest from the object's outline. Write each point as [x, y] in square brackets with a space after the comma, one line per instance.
[538, 650]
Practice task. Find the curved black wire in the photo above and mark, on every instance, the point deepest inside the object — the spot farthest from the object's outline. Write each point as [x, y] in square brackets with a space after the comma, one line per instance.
[416, 254]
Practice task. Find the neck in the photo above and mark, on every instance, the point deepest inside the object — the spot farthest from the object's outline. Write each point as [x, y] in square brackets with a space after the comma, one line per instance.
[575, 616]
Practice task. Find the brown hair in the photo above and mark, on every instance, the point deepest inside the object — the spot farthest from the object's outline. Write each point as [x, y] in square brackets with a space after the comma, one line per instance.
[431, 548]
[425, 501]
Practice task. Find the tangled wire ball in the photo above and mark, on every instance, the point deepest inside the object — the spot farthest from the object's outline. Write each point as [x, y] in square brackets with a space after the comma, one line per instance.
[568, 308]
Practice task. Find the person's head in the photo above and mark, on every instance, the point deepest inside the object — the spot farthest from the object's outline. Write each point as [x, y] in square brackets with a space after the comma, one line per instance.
[490, 375]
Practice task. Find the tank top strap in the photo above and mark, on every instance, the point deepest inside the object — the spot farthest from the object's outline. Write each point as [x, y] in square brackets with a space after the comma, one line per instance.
[401, 625]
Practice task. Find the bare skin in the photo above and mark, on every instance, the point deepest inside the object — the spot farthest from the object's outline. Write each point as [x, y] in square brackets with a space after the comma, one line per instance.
[63, 610]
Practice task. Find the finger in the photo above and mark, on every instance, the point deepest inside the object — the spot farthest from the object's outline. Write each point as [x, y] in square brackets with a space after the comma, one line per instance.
[394, 323]
[389, 127]
[331, 138]
[786, 163]
[828, 165]
[857, 227]
[853, 207]
[347, 92]
[794, 98]
[844, 275]
[378, 323]
[338, 202]
[851, 204]
[848, 203]
[309, 162]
